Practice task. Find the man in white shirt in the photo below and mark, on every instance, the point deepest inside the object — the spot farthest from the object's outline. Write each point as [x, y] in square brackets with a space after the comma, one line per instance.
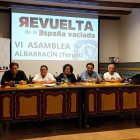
[111, 75]
[44, 77]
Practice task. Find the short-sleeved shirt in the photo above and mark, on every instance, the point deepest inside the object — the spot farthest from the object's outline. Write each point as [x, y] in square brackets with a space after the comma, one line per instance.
[46, 78]
[115, 76]
[85, 76]
[8, 76]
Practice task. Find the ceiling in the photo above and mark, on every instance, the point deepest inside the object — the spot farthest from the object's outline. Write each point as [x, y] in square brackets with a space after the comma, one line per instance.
[99, 7]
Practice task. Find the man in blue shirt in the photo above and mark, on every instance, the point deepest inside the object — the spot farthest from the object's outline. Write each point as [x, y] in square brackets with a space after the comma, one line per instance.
[89, 74]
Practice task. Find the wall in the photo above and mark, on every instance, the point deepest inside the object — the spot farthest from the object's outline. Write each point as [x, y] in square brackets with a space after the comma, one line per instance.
[4, 24]
[121, 38]
[109, 39]
[130, 37]
[4, 53]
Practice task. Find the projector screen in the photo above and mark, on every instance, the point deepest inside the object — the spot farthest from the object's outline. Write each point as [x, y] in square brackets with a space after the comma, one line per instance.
[53, 39]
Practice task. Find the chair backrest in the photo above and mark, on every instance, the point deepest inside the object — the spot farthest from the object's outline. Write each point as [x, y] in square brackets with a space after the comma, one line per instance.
[135, 79]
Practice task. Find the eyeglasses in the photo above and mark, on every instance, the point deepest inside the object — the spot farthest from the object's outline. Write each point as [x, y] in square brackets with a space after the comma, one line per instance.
[43, 69]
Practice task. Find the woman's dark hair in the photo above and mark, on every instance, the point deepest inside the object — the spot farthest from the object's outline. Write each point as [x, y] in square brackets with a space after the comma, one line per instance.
[68, 65]
[90, 64]
[13, 64]
[44, 66]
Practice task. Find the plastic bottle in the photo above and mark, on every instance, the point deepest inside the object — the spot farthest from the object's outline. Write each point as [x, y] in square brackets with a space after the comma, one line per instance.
[56, 75]
[78, 78]
[30, 79]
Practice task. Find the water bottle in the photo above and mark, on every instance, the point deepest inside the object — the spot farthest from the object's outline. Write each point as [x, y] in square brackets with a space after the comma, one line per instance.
[78, 78]
[56, 76]
[30, 79]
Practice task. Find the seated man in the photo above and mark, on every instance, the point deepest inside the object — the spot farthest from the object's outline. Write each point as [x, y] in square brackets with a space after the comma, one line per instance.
[44, 77]
[67, 74]
[14, 76]
[89, 74]
[111, 75]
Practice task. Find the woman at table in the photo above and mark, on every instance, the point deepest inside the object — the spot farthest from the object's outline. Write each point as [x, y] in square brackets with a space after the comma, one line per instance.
[44, 77]
[67, 74]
